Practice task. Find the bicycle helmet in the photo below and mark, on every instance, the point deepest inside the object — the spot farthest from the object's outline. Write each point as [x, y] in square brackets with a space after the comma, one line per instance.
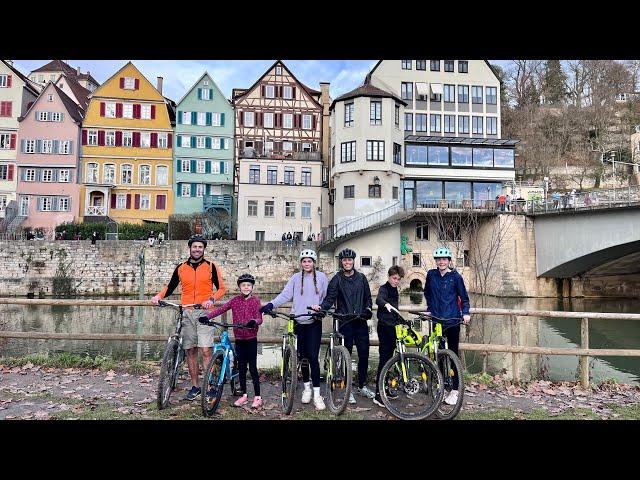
[346, 253]
[308, 254]
[442, 252]
[198, 238]
[246, 277]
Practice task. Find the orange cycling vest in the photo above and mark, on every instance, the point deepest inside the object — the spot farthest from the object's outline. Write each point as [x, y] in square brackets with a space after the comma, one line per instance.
[198, 281]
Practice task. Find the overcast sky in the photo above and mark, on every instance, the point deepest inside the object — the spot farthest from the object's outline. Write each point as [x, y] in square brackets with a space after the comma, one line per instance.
[180, 75]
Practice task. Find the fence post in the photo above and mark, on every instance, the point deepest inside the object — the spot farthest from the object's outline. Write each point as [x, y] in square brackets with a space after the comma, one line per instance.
[514, 343]
[140, 309]
[584, 359]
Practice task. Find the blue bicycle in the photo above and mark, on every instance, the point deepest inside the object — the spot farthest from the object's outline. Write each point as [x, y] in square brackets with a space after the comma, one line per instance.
[220, 369]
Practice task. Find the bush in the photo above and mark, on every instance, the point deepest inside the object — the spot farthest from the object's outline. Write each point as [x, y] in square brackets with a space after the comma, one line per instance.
[182, 225]
[126, 231]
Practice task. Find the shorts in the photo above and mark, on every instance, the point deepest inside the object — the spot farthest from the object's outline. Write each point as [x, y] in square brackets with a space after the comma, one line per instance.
[195, 334]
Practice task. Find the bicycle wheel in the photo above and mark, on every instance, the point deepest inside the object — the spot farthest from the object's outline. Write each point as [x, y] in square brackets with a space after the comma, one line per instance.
[211, 392]
[450, 365]
[166, 382]
[417, 397]
[339, 381]
[235, 382]
[289, 377]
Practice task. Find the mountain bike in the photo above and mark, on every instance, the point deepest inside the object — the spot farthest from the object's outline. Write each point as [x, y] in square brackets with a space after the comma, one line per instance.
[173, 356]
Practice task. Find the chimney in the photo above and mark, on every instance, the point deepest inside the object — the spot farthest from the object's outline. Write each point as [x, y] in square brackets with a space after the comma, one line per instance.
[160, 85]
[78, 71]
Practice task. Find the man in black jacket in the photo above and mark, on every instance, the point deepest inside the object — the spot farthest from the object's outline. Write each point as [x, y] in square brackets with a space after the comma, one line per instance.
[350, 291]
[387, 321]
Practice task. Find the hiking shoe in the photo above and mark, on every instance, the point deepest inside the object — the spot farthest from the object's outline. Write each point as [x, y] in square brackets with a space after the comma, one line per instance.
[452, 398]
[366, 392]
[319, 403]
[193, 393]
[352, 399]
[241, 401]
[257, 402]
[306, 395]
[378, 400]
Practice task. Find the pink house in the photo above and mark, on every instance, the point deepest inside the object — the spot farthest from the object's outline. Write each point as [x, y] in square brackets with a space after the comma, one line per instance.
[48, 160]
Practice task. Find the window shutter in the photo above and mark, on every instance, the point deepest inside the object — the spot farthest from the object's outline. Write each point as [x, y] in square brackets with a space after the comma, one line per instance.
[101, 138]
[154, 140]
[38, 146]
[279, 94]
[23, 146]
[259, 119]
[262, 90]
[179, 192]
[54, 206]
[170, 140]
[13, 141]
[199, 94]
[193, 142]
[298, 120]
[121, 82]
[113, 200]
[118, 138]
[137, 201]
[315, 122]
[136, 110]
[37, 116]
[160, 202]
[222, 119]
[136, 139]
[153, 112]
[102, 109]
[241, 115]
[10, 177]
[54, 176]
[128, 200]
[137, 84]
[70, 149]
[180, 117]
[56, 146]
[62, 117]
[221, 167]
[207, 189]
[207, 166]
[194, 118]
[293, 92]
[211, 94]
[194, 191]
[84, 137]
[209, 121]
[9, 80]
[207, 143]
[193, 166]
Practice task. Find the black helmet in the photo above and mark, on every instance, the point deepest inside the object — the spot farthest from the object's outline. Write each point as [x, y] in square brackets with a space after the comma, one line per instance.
[198, 238]
[346, 253]
[246, 277]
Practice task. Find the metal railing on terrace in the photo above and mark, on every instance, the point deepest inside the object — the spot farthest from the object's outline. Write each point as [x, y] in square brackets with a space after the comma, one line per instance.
[280, 154]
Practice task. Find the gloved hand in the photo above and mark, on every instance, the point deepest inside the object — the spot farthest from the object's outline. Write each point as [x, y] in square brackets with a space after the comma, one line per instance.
[267, 308]
[367, 314]
[204, 320]
[156, 299]
[251, 323]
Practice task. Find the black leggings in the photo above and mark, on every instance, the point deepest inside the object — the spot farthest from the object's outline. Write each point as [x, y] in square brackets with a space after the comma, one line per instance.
[453, 340]
[309, 347]
[247, 354]
[387, 338]
[357, 331]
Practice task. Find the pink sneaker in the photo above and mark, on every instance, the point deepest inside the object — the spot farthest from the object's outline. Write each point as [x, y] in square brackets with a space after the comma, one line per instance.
[241, 401]
[257, 402]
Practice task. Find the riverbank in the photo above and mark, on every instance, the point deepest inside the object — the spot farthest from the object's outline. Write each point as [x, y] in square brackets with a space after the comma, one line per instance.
[70, 387]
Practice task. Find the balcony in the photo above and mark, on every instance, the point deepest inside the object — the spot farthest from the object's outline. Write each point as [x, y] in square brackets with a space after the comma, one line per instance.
[96, 210]
[250, 152]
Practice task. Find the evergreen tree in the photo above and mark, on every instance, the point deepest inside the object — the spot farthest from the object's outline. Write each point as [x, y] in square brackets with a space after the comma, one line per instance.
[554, 89]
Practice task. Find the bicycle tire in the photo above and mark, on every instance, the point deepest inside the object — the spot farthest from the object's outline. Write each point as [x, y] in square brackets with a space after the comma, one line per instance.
[166, 382]
[445, 411]
[429, 381]
[339, 381]
[289, 378]
[210, 381]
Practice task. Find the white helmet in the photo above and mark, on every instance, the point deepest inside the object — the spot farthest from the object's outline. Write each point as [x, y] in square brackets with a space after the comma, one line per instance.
[309, 254]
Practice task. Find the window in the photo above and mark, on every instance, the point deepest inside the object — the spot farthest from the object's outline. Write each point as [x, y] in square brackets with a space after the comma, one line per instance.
[162, 177]
[145, 175]
[397, 154]
[126, 174]
[406, 91]
[406, 64]
[290, 209]
[268, 119]
[492, 126]
[216, 119]
[47, 175]
[306, 122]
[375, 112]
[416, 260]
[30, 146]
[200, 190]
[201, 117]
[375, 150]
[306, 210]
[421, 64]
[463, 94]
[204, 94]
[289, 176]
[422, 231]
[64, 147]
[50, 98]
[269, 91]
[492, 95]
[259, 235]
[349, 191]
[287, 92]
[476, 125]
[110, 138]
[200, 142]
[269, 208]
[4, 81]
[4, 173]
[287, 120]
[421, 122]
[24, 206]
[45, 204]
[30, 175]
[450, 234]
[92, 173]
[348, 114]
[278, 70]
[435, 65]
[365, 261]
[186, 190]
[476, 94]
[461, 156]
[5, 141]
[109, 173]
[129, 83]
[348, 152]
[254, 174]
[483, 157]
[435, 123]
[127, 110]
[449, 124]
[306, 147]
[63, 204]
[145, 112]
[186, 118]
[306, 176]
[42, 116]
[163, 140]
[185, 141]
[186, 166]
[248, 119]
[450, 93]
[145, 201]
[110, 110]
[396, 117]
[448, 65]
[272, 175]
[287, 146]
[438, 155]
[63, 176]
[56, 116]
[375, 191]
[41, 78]
[395, 191]
[463, 124]
[145, 139]
[200, 166]
[408, 122]
[503, 157]
[47, 146]
[463, 66]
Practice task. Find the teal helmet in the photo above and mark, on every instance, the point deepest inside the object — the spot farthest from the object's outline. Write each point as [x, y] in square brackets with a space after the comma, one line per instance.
[442, 252]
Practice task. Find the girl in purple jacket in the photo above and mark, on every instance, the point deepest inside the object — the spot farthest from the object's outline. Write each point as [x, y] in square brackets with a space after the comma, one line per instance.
[246, 311]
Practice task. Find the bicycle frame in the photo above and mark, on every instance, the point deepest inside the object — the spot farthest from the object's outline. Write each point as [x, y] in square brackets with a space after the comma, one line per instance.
[226, 347]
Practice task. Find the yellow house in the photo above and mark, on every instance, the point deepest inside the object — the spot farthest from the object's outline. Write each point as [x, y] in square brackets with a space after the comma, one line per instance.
[127, 151]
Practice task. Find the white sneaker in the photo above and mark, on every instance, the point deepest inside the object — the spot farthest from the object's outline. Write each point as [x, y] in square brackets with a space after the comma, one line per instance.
[366, 392]
[452, 398]
[319, 403]
[352, 399]
[306, 395]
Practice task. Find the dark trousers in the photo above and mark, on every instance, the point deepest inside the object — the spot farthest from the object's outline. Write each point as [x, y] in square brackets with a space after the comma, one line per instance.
[309, 348]
[247, 354]
[357, 331]
[387, 338]
[453, 340]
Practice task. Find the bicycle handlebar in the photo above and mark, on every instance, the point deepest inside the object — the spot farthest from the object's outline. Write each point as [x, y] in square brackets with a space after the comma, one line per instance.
[226, 325]
[165, 303]
[288, 316]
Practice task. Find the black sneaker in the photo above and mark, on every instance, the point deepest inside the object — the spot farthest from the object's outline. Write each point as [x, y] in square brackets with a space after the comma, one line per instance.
[378, 400]
[193, 393]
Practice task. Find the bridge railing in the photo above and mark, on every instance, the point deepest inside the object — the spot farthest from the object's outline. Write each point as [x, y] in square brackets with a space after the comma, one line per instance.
[584, 352]
[592, 200]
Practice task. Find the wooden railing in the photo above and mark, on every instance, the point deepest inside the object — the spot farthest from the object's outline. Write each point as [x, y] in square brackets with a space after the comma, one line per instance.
[584, 352]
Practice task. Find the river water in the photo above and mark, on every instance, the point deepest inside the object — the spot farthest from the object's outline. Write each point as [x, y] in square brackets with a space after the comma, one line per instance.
[560, 332]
